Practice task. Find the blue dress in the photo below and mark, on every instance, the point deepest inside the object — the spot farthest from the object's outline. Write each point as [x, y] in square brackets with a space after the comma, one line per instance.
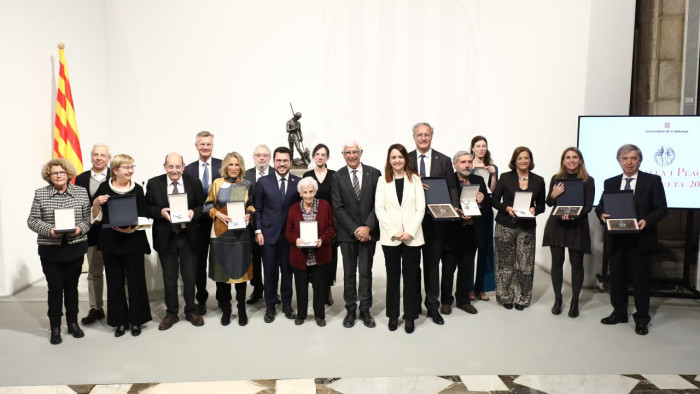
[485, 279]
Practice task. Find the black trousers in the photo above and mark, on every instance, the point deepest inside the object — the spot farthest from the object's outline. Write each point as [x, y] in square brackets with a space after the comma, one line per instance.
[223, 295]
[179, 257]
[257, 280]
[62, 280]
[317, 275]
[202, 252]
[129, 269]
[357, 257]
[627, 260]
[460, 252]
[557, 271]
[434, 234]
[276, 264]
[403, 261]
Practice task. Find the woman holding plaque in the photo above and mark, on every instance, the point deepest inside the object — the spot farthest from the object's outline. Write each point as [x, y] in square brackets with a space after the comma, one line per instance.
[62, 243]
[323, 176]
[483, 165]
[310, 259]
[123, 249]
[569, 231]
[399, 204]
[230, 248]
[515, 229]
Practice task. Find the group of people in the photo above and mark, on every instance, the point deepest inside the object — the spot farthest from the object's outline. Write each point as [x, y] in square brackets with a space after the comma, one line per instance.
[260, 240]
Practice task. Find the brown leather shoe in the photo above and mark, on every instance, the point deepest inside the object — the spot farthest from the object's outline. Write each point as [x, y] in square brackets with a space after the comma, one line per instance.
[92, 316]
[445, 309]
[469, 308]
[168, 322]
[195, 319]
[320, 322]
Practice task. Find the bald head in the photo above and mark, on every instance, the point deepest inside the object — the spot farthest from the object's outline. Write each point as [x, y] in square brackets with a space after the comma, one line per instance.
[174, 165]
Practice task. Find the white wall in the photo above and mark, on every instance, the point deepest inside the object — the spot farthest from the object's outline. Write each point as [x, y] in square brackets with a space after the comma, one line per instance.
[156, 72]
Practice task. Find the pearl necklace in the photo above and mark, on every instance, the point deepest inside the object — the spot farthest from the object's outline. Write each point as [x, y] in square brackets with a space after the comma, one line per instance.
[522, 178]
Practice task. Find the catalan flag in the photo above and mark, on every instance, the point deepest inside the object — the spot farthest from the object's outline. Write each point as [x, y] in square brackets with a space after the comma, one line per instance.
[66, 140]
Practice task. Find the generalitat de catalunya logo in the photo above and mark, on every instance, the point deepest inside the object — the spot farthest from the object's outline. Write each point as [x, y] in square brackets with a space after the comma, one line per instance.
[665, 155]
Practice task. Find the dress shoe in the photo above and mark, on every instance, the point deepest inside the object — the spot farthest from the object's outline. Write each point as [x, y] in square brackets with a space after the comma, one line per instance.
[556, 308]
[254, 298]
[270, 315]
[168, 322]
[484, 297]
[410, 326]
[393, 324]
[445, 309]
[201, 309]
[93, 315]
[298, 321]
[55, 336]
[226, 318]
[320, 322]
[641, 329]
[519, 307]
[195, 319]
[278, 300]
[135, 330]
[367, 319]
[469, 308]
[242, 317]
[437, 319]
[289, 313]
[508, 305]
[573, 308]
[349, 320]
[614, 319]
[74, 328]
[120, 331]
[329, 297]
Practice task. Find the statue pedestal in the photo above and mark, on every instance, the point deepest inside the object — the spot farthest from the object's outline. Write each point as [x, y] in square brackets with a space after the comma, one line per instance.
[299, 171]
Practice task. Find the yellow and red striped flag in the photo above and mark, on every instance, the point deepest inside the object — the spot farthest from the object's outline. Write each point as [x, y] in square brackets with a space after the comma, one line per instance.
[66, 140]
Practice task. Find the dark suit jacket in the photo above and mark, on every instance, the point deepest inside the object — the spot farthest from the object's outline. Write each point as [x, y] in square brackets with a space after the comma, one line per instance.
[192, 169]
[649, 204]
[84, 181]
[326, 232]
[157, 199]
[250, 176]
[270, 214]
[504, 196]
[351, 212]
[440, 165]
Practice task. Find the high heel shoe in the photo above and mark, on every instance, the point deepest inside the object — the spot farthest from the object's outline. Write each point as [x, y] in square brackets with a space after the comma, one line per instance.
[74, 328]
[55, 336]
[393, 324]
[573, 309]
[121, 330]
[556, 308]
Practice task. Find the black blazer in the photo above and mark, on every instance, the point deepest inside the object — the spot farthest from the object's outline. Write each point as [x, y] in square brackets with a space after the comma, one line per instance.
[649, 204]
[250, 175]
[440, 165]
[120, 244]
[352, 212]
[84, 181]
[504, 196]
[192, 169]
[270, 216]
[157, 199]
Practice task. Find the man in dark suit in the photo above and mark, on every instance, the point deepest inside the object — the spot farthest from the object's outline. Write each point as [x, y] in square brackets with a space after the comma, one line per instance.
[261, 158]
[176, 242]
[431, 163]
[461, 239]
[631, 253]
[273, 196]
[206, 169]
[352, 193]
[90, 180]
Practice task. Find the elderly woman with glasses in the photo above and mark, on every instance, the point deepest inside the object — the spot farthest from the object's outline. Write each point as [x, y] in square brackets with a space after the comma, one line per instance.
[61, 251]
[123, 249]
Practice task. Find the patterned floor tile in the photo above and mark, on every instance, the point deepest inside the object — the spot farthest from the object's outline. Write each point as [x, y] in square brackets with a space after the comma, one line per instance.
[296, 386]
[574, 384]
[111, 389]
[238, 387]
[669, 382]
[483, 383]
[36, 390]
[418, 385]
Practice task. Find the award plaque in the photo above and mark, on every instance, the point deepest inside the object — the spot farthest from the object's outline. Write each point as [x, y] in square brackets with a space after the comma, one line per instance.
[178, 208]
[619, 204]
[467, 200]
[122, 211]
[521, 205]
[64, 220]
[561, 210]
[236, 211]
[308, 232]
[437, 198]
[571, 201]
[443, 211]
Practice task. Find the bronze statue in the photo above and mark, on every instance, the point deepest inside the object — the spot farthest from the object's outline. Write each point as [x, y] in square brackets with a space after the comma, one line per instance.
[296, 139]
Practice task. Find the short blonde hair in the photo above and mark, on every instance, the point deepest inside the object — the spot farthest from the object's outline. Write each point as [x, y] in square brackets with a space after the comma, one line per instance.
[117, 161]
[63, 163]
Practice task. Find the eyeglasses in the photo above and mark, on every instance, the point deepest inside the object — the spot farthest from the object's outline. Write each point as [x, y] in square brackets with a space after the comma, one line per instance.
[127, 168]
[262, 155]
[58, 173]
[205, 145]
[351, 152]
[100, 155]
[424, 135]
[170, 168]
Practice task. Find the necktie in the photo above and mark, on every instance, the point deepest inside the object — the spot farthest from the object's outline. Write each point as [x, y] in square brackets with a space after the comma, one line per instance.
[422, 166]
[176, 226]
[355, 183]
[205, 178]
[628, 183]
[283, 189]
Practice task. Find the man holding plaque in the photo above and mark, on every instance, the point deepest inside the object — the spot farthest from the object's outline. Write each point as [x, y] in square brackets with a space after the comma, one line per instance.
[630, 253]
[206, 169]
[175, 203]
[90, 180]
[431, 163]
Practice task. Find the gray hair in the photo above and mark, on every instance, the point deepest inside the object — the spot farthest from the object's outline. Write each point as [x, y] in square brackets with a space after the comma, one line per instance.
[627, 148]
[422, 124]
[459, 154]
[350, 143]
[98, 145]
[264, 147]
[203, 134]
[306, 181]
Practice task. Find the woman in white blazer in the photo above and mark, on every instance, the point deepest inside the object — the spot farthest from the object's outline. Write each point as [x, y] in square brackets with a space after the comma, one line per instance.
[400, 205]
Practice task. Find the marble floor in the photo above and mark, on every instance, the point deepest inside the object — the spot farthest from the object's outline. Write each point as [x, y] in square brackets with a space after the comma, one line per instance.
[496, 350]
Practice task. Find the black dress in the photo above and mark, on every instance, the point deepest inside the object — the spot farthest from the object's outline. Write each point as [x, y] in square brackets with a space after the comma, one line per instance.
[572, 234]
[324, 193]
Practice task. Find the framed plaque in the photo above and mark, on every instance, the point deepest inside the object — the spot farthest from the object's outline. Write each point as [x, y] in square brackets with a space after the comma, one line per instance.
[236, 211]
[571, 201]
[619, 204]
[122, 211]
[521, 205]
[437, 198]
[443, 211]
[467, 200]
[178, 208]
[561, 210]
[64, 220]
[308, 232]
